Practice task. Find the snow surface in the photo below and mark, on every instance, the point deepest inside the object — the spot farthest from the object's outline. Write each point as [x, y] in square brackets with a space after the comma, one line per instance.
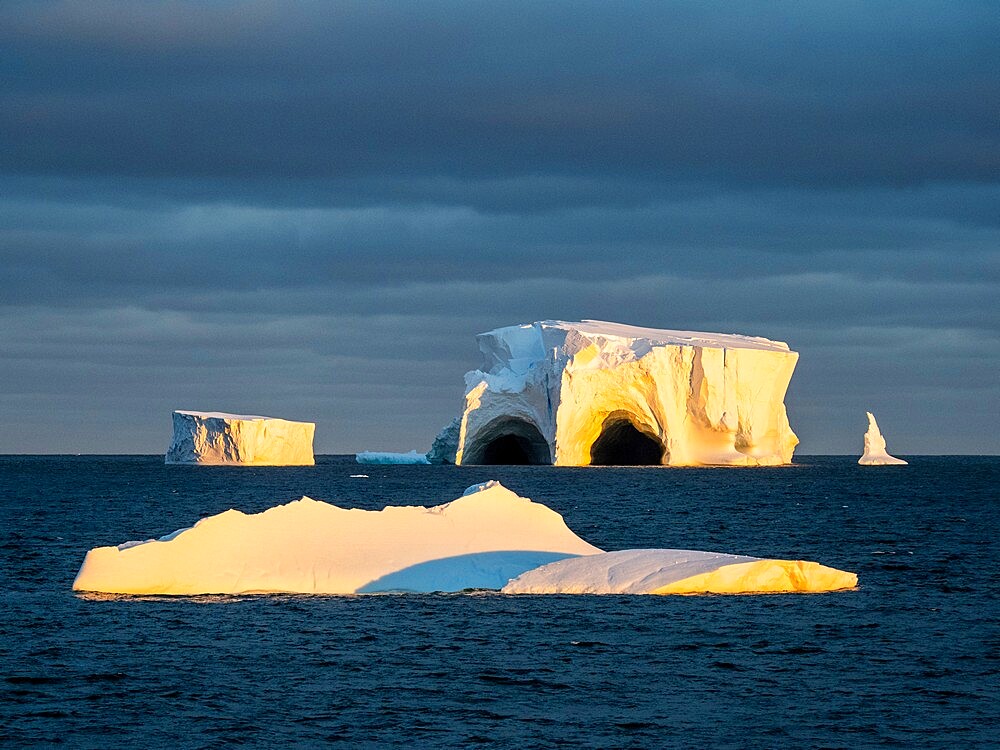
[875, 452]
[376, 457]
[219, 415]
[489, 538]
[677, 571]
[605, 329]
[556, 387]
[218, 438]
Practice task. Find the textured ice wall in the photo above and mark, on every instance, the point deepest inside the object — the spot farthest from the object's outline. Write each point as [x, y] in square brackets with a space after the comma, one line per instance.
[575, 394]
[239, 439]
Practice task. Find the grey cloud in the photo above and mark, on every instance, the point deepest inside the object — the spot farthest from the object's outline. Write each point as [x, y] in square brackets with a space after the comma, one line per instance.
[85, 253]
[797, 93]
[375, 378]
[310, 209]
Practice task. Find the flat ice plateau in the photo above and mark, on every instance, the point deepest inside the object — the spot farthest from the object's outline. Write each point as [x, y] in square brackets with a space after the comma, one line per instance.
[217, 438]
[875, 453]
[487, 539]
[591, 392]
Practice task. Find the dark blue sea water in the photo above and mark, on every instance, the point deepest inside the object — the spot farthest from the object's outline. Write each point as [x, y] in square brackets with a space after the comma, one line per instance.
[910, 659]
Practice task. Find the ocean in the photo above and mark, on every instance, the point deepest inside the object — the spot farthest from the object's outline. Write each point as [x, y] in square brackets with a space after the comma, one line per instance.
[911, 658]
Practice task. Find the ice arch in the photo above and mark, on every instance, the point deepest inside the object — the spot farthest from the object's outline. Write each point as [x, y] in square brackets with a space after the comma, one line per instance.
[508, 440]
[622, 443]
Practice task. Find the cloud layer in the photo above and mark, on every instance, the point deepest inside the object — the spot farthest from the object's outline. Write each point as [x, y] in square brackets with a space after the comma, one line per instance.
[310, 209]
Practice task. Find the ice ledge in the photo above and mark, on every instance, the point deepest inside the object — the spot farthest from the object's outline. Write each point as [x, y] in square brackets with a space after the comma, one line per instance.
[629, 333]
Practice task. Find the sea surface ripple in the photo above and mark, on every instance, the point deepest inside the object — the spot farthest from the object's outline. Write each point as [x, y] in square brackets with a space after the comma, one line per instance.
[909, 659]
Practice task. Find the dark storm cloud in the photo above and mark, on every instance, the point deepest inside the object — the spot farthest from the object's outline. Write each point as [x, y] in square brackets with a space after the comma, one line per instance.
[82, 253]
[795, 92]
[309, 208]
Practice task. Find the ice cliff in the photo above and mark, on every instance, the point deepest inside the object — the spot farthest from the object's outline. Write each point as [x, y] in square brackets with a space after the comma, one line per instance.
[575, 394]
[875, 454]
[487, 539]
[239, 439]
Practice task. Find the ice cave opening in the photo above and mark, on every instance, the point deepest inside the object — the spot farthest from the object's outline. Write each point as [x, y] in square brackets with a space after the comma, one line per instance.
[621, 443]
[509, 442]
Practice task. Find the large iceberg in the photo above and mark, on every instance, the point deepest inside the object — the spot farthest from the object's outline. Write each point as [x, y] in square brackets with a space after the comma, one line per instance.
[487, 539]
[212, 437]
[480, 540]
[875, 453]
[575, 394]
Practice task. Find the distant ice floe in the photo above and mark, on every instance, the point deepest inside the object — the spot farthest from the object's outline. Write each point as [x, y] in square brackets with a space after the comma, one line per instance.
[377, 457]
[875, 453]
[487, 539]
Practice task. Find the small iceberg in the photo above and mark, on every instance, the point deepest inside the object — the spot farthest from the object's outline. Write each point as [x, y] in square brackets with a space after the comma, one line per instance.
[489, 538]
[875, 453]
[381, 457]
[221, 439]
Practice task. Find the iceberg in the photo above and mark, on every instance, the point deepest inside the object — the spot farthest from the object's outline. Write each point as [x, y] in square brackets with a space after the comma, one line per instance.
[875, 453]
[676, 571]
[490, 538]
[446, 443]
[598, 393]
[212, 437]
[376, 457]
[480, 540]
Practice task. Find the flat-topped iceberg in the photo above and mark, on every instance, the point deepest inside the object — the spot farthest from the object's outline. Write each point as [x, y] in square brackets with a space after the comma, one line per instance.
[487, 539]
[384, 457]
[212, 437]
[576, 394]
[678, 571]
[875, 452]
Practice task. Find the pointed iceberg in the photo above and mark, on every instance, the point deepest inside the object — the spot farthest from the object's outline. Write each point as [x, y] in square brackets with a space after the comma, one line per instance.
[875, 453]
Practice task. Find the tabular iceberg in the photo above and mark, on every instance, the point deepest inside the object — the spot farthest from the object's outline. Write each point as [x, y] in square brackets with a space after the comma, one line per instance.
[239, 439]
[576, 394]
[875, 453]
[487, 539]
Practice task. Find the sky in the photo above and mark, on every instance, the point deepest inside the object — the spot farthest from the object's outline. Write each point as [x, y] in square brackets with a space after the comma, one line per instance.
[309, 209]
